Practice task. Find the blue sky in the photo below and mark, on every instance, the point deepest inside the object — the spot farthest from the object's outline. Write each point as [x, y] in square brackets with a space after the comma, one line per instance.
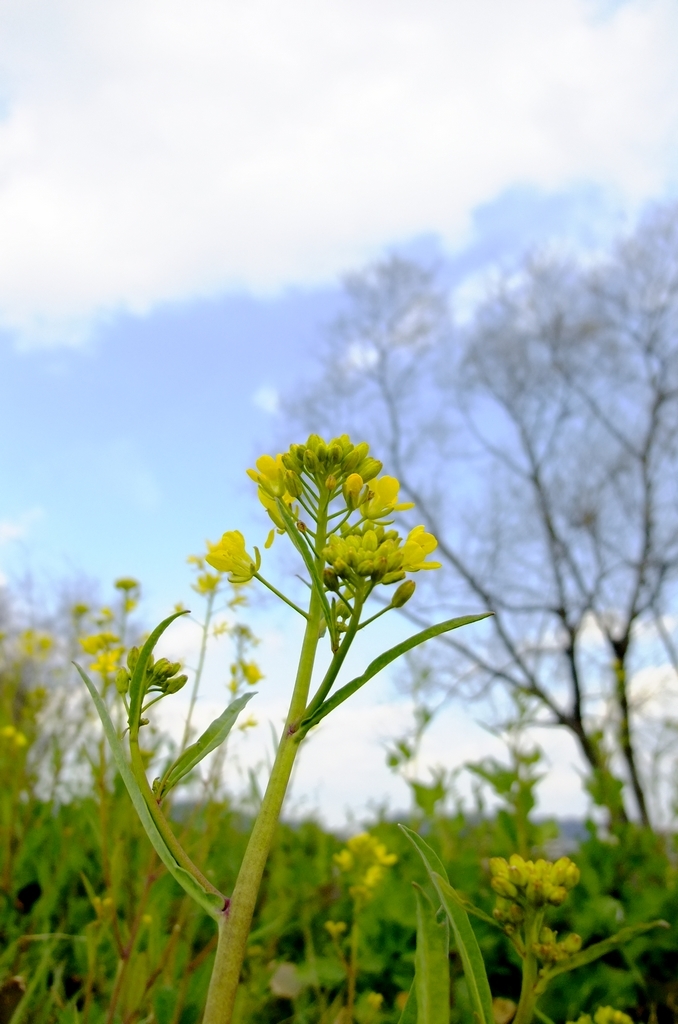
[181, 189]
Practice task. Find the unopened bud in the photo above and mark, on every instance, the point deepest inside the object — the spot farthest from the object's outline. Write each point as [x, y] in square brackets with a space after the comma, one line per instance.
[351, 489]
[370, 468]
[331, 482]
[504, 888]
[557, 895]
[163, 669]
[330, 579]
[350, 461]
[175, 684]
[403, 594]
[122, 681]
[321, 452]
[334, 453]
[314, 440]
[572, 944]
[310, 461]
[132, 658]
[293, 484]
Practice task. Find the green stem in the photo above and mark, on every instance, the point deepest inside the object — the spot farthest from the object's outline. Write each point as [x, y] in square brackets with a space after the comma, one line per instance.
[198, 671]
[235, 923]
[277, 593]
[353, 969]
[528, 996]
[171, 841]
[337, 660]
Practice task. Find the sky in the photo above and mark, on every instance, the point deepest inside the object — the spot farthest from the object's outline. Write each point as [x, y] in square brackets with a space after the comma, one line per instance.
[181, 189]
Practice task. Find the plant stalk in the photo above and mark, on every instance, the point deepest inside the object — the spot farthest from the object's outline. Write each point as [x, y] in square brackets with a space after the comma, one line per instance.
[234, 924]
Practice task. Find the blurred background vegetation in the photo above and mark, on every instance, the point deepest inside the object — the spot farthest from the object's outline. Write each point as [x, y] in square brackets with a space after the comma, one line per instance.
[539, 440]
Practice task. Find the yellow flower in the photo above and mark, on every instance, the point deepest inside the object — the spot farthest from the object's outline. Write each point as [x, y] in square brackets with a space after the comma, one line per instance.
[335, 928]
[98, 642]
[251, 672]
[270, 475]
[106, 662]
[418, 545]
[382, 499]
[344, 860]
[230, 556]
[10, 733]
[374, 1000]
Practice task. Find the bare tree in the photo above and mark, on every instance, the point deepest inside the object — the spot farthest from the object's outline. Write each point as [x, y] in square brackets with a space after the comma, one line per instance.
[540, 444]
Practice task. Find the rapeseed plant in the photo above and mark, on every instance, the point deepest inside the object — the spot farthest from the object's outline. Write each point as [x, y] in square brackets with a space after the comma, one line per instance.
[330, 501]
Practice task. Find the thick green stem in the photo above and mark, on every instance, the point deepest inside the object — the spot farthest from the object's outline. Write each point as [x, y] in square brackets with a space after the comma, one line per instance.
[235, 924]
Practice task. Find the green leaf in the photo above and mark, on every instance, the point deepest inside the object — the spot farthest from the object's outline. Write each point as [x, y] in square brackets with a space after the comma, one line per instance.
[598, 949]
[137, 686]
[208, 901]
[431, 964]
[383, 660]
[409, 1014]
[465, 939]
[213, 736]
[309, 560]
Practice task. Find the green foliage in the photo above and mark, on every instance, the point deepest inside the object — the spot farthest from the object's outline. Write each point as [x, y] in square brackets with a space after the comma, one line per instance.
[95, 930]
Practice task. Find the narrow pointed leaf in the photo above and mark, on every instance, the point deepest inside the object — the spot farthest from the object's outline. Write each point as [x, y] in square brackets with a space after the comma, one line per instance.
[465, 939]
[137, 687]
[431, 964]
[208, 901]
[385, 659]
[598, 949]
[309, 560]
[409, 1014]
[213, 736]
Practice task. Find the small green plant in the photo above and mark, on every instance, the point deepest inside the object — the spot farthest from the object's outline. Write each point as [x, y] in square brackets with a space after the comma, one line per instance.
[525, 891]
[337, 511]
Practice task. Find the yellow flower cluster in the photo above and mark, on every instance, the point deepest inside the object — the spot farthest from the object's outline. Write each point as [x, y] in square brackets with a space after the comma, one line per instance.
[533, 883]
[335, 929]
[106, 649]
[10, 734]
[364, 859]
[551, 951]
[604, 1015]
[371, 552]
[34, 644]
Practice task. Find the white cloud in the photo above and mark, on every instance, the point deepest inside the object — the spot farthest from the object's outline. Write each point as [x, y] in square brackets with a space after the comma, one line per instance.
[153, 150]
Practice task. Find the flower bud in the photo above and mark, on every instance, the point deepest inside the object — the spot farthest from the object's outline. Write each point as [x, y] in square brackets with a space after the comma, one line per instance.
[557, 895]
[498, 867]
[292, 462]
[331, 482]
[572, 944]
[321, 453]
[132, 658]
[330, 579]
[334, 453]
[293, 484]
[314, 440]
[351, 460]
[122, 681]
[175, 684]
[351, 489]
[504, 888]
[404, 593]
[310, 461]
[370, 468]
